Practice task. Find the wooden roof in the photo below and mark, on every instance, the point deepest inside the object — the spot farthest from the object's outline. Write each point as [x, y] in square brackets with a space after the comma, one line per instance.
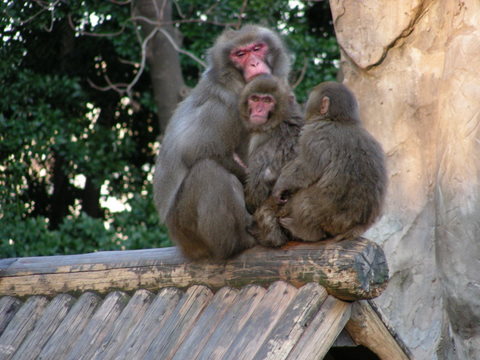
[179, 319]
[280, 322]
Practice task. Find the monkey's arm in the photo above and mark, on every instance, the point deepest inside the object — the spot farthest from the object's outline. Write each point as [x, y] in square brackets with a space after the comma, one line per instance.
[294, 176]
[306, 169]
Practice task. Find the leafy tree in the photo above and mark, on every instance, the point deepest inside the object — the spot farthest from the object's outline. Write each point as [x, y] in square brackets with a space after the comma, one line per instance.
[89, 86]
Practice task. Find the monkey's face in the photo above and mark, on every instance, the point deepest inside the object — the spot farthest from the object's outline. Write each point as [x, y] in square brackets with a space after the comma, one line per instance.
[260, 108]
[251, 59]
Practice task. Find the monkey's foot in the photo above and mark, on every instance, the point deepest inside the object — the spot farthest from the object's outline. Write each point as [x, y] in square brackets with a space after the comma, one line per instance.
[301, 232]
[274, 238]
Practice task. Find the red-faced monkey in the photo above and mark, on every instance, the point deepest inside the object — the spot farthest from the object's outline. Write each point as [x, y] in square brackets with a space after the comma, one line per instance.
[197, 187]
[273, 118]
[335, 187]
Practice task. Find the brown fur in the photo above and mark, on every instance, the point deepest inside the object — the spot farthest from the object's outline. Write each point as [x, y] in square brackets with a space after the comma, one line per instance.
[272, 145]
[196, 183]
[335, 187]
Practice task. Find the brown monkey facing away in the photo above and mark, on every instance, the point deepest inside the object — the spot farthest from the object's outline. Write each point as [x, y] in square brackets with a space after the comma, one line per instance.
[274, 119]
[335, 187]
[197, 182]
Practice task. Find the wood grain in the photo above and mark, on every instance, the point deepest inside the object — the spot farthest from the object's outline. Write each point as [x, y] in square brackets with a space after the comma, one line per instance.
[323, 330]
[350, 270]
[366, 328]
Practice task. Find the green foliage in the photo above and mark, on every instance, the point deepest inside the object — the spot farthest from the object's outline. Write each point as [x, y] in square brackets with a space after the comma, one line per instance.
[67, 144]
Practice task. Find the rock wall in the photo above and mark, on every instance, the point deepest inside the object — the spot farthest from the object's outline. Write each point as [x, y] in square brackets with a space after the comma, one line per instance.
[415, 68]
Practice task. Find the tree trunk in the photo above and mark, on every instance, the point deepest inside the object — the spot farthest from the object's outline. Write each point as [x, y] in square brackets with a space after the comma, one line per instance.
[414, 68]
[168, 84]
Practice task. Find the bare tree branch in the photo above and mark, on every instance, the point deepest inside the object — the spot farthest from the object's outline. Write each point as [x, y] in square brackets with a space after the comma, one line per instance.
[181, 51]
[302, 73]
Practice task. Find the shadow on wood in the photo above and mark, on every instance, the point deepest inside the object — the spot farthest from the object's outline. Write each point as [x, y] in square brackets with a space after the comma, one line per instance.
[350, 270]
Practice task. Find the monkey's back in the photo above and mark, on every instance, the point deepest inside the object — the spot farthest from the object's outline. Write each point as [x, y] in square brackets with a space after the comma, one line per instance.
[349, 177]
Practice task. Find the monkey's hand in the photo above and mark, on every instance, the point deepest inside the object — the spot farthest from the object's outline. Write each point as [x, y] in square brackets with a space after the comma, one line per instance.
[281, 196]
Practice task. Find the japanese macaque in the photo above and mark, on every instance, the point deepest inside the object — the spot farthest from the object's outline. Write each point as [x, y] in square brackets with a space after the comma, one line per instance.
[273, 117]
[198, 183]
[335, 187]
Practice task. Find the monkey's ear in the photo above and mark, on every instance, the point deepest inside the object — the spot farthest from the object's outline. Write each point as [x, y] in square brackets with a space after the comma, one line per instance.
[324, 105]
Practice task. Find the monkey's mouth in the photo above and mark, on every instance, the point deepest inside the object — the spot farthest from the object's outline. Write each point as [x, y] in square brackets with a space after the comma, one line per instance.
[258, 119]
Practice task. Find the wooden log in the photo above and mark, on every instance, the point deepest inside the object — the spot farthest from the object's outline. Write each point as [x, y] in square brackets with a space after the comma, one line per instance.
[8, 307]
[261, 322]
[323, 330]
[53, 315]
[99, 326]
[152, 324]
[367, 328]
[350, 270]
[126, 322]
[20, 326]
[293, 323]
[206, 324]
[62, 341]
[179, 323]
[229, 328]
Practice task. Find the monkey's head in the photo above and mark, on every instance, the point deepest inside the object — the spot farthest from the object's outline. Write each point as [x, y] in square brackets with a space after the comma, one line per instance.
[264, 103]
[241, 55]
[332, 101]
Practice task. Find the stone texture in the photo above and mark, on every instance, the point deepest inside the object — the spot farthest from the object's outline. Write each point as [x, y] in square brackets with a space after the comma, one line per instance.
[415, 68]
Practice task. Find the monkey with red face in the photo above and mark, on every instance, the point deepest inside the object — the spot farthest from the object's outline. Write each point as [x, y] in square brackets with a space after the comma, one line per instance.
[197, 183]
[274, 119]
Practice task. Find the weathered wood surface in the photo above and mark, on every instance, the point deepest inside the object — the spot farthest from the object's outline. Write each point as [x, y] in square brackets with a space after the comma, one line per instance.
[265, 317]
[350, 270]
[8, 307]
[53, 315]
[21, 325]
[126, 321]
[280, 322]
[180, 322]
[99, 326]
[227, 331]
[367, 329]
[322, 332]
[143, 334]
[68, 332]
[293, 323]
[207, 323]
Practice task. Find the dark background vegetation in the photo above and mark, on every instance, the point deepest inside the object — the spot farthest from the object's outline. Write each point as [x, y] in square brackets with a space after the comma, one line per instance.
[85, 98]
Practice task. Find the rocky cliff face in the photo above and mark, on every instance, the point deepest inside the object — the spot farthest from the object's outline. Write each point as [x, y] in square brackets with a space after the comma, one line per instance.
[415, 68]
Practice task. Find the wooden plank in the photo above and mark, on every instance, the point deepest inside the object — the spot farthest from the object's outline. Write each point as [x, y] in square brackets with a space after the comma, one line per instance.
[180, 323]
[263, 320]
[323, 330]
[294, 321]
[351, 270]
[233, 322]
[153, 322]
[207, 323]
[124, 325]
[68, 332]
[20, 326]
[98, 327]
[45, 327]
[367, 328]
[8, 307]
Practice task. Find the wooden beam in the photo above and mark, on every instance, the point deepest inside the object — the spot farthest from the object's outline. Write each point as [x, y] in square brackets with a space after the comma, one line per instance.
[320, 335]
[367, 328]
[350, 270]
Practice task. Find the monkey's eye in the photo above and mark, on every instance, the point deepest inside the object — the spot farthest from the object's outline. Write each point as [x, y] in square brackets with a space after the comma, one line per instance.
[239, 53]
[257, 47]
[267, 100]
[254, 98]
